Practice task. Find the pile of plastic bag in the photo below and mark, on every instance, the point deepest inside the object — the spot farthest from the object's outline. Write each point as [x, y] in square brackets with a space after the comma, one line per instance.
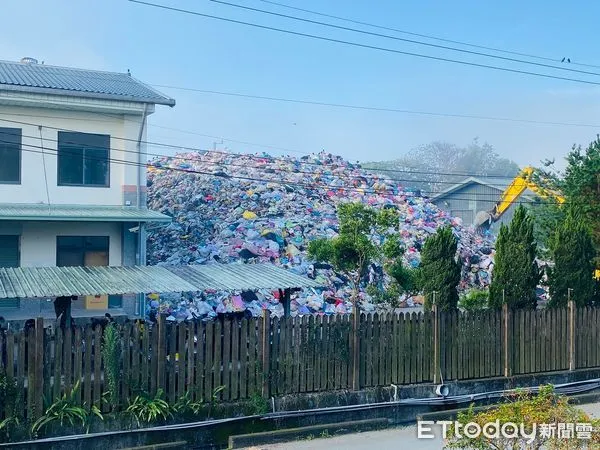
[231, 208]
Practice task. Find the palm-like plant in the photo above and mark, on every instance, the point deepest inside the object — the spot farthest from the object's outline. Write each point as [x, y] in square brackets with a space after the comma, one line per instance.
[149, 409]
[66, 411]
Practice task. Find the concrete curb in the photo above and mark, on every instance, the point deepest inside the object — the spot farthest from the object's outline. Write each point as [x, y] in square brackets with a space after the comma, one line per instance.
[168, 445]
[294, 434]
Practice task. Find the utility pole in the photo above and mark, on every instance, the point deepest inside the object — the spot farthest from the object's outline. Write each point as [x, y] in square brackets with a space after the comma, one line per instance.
[215, 144]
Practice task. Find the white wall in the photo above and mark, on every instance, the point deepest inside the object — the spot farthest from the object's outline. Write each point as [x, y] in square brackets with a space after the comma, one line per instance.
[33, 178]
[38, 239]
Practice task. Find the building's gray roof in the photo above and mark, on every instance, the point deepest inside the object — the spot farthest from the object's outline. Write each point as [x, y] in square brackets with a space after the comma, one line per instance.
[80, 213]
[498, 183]
[32, 282]
[43, 79]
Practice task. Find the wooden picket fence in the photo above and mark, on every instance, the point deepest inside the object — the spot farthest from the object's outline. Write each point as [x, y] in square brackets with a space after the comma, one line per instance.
[270, 356]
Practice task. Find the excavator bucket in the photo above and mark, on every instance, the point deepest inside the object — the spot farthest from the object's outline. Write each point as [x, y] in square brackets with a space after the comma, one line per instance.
[483, 220]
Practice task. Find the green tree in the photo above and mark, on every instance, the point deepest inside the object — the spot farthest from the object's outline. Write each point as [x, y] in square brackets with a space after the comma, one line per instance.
[406, 278]
[439, 271]
[547, 215]
[367, 236]
[573, 254]
[353, 249]
[581, 185]
[516, 274]
[404, 281]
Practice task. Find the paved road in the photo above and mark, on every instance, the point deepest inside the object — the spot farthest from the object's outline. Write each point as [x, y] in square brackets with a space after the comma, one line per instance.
[593, 409]
[394, 438]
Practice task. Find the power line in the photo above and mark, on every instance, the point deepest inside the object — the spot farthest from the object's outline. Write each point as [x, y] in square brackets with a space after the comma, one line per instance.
[267, 157]
[427, 36]
[347, 176]
[411, 41]
[198, 172]
[308, 186]
[375, 108]
[157, 126]
[272, 147]
[397, 170]
[366, 46]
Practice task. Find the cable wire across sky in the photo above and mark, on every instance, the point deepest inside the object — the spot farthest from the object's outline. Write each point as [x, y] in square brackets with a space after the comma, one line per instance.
[365, 46]
[376, 108]
[261, 157]
[38, 149]
[260, 160]
[426, 36]
[410, 41]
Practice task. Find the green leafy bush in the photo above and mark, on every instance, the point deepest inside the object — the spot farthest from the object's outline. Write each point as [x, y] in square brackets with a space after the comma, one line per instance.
[66, 411]
[474, 299]
[185, 406]
[12, 425]
[146, 409]
[256, 405]
[546, 407]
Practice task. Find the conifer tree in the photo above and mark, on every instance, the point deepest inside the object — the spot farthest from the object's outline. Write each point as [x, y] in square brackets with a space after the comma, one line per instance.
[573, 253]
[516, 274]
[439, 270]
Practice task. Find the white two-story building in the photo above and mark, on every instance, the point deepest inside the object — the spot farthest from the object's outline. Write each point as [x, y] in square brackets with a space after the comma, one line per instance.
[73, 175]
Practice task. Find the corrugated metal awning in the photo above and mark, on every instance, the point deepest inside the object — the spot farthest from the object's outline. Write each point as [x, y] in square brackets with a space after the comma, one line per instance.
[9, 211]
[31, 282]
[238, 277]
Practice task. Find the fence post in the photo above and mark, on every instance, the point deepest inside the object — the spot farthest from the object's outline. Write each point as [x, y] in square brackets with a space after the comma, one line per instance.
[356, 350]
[436, 342]
[39, 368]
[572, 361]
[161, 353]
[506, 341]
[266, 352]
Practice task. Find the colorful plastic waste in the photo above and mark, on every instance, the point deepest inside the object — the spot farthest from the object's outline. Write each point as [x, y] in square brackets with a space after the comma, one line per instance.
[257, 208]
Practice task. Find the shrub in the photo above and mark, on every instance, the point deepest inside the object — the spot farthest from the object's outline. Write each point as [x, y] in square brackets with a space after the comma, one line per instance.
[66, 411]
[148, 409]
[546, 407]
[475, 299]
[256, 405]
[12, 425]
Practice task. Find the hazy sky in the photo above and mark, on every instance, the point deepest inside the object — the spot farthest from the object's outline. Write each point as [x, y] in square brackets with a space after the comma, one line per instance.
[169, 48]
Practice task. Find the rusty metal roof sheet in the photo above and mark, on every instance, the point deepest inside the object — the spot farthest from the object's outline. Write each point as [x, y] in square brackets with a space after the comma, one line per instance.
[31, 282]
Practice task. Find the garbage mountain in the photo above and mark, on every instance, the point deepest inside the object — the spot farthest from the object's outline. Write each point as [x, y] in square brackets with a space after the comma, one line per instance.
[246, 208]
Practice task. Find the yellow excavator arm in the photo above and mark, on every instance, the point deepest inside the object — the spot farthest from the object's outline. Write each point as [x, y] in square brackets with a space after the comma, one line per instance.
[522, 182]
